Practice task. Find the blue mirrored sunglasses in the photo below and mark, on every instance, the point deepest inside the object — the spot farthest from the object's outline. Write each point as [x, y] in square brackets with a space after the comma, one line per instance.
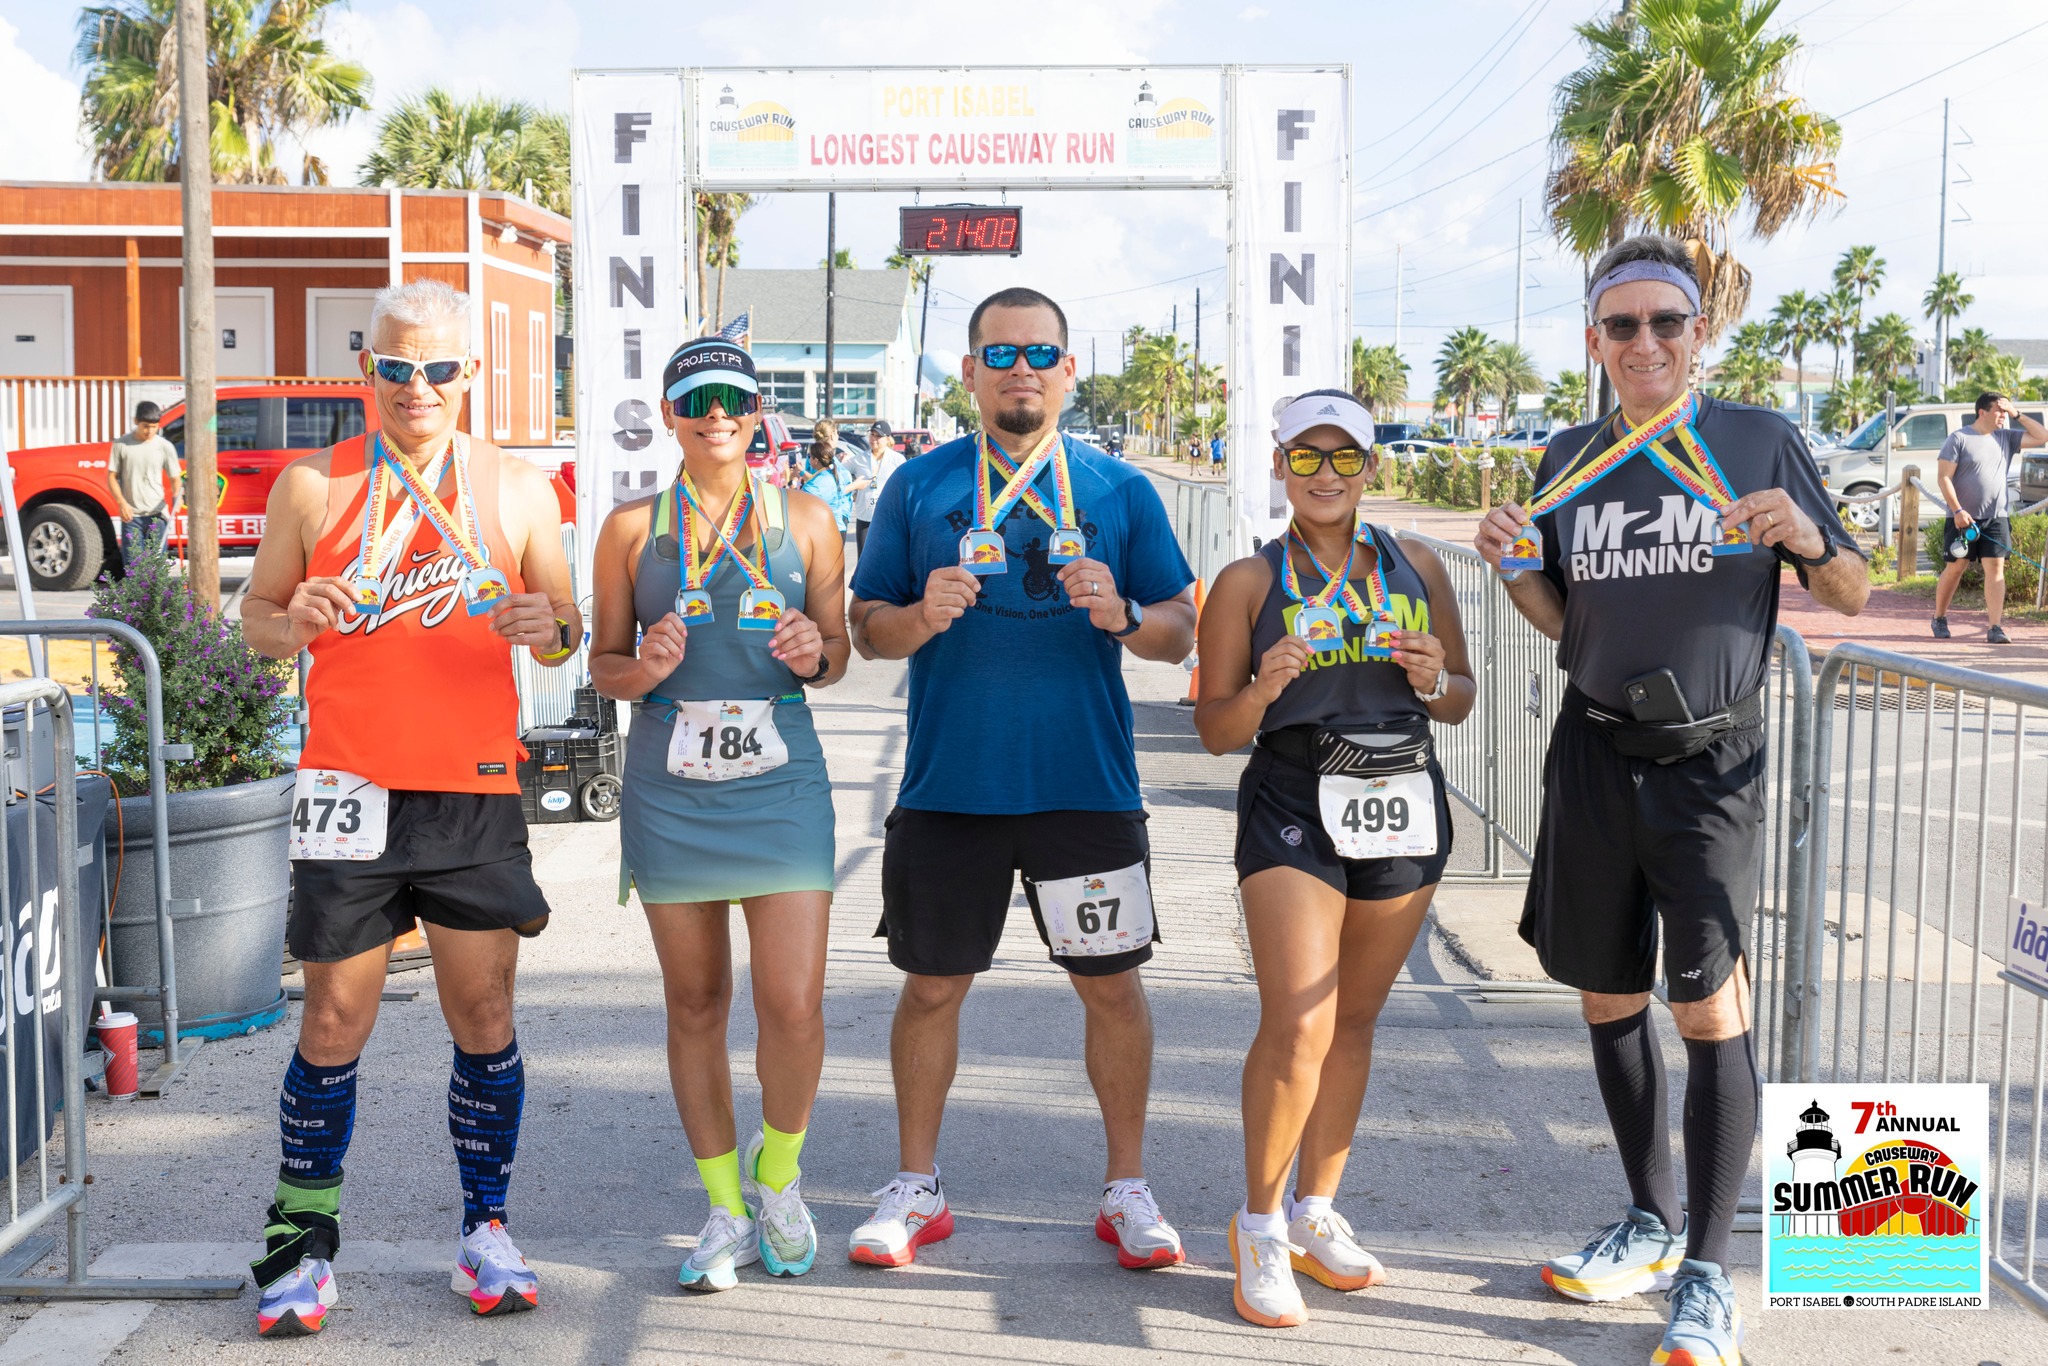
[1038, 355]
[398, 370]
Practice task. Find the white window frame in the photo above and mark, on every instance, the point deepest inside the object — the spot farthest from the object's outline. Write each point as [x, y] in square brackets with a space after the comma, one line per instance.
[63, 292]
[501, 372]
[540, 411]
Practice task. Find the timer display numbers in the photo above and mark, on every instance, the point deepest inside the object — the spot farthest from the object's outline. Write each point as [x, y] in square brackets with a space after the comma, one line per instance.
[962, 230]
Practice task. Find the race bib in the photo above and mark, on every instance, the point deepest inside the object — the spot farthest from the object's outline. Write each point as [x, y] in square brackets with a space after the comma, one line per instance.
[1388, 817]
[1097, 913]
[337, 815]
[717, 741]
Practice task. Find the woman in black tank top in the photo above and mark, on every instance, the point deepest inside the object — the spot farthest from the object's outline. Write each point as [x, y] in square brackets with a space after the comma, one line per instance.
[1335, 647]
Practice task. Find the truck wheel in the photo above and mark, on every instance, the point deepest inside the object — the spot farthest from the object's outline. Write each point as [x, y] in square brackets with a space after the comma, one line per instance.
[63, 547]
[600, 798]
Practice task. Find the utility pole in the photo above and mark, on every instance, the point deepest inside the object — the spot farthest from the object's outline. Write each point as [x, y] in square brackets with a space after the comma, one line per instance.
[1196, 389]
[1397, 300]
[1094, 382]
[1518, 272]
[923, 321]
[1941, 265]
[831, 266]
[195, 170]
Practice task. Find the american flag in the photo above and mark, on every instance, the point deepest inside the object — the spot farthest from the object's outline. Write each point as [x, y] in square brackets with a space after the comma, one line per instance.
[736, 330]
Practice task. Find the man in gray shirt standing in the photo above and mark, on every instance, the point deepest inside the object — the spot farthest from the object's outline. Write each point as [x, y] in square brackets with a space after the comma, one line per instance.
[136, 466]
[1973, 464]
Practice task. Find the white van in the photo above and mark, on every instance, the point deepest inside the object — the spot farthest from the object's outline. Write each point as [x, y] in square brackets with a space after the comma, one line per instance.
[1874, 455]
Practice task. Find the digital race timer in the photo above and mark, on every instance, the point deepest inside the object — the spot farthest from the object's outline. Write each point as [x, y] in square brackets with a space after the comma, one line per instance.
[962, 230]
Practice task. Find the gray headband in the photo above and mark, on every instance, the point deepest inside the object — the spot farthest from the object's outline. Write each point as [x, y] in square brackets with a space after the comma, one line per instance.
[1642, 270]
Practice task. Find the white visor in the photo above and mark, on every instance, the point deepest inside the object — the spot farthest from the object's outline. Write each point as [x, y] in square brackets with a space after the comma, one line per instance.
[1293, 416]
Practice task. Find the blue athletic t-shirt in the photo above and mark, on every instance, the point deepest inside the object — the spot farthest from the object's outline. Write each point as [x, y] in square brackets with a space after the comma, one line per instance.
[1020, 705]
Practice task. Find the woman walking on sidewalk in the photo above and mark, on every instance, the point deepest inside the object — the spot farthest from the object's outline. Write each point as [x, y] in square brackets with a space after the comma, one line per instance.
[1335, 649]
[734, 592]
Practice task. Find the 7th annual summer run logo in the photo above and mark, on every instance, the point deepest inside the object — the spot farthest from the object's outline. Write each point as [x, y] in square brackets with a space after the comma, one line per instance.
[1874, 1196]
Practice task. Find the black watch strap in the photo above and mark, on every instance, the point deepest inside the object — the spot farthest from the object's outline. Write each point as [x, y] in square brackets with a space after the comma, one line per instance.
[824, 667]
[1828, 551]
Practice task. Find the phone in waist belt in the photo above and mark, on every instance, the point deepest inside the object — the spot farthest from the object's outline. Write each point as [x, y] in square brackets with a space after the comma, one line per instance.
[1656, 697]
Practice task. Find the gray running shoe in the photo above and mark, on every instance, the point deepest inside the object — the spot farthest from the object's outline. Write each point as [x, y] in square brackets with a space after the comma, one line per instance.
[1941, 628]
[1706, 1327]
[1997, 636]
[1634, 1254]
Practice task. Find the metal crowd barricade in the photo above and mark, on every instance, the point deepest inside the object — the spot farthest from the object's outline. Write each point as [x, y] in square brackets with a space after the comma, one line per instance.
[69, 1193]
[177, 1052]
[1905, 982]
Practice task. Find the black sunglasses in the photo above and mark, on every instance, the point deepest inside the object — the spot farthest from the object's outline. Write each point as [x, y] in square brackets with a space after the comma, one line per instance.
[1038, 355]
[1621, 327]
[736, 401]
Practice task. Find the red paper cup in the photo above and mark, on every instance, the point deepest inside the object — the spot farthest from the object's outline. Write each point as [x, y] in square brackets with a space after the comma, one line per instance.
[117, 1040]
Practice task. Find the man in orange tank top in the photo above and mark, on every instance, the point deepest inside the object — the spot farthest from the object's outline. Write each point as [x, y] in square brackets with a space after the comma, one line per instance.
[411, 562]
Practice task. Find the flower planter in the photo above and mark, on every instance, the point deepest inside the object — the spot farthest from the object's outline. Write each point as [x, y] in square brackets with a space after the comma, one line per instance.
[228, 850]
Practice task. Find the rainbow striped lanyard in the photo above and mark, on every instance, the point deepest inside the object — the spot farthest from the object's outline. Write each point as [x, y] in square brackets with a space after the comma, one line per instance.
[1338, 588]
[990, 508]
[697, 569]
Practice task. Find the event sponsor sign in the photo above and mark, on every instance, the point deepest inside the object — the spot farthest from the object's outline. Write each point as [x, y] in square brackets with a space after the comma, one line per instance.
[1874, 1195]
[2026, 943]
[1009, 126]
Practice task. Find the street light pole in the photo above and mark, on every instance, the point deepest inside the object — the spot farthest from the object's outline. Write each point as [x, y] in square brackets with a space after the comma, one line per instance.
[195, 169]
[831, 265]
[1518, 272]
[1941, 265]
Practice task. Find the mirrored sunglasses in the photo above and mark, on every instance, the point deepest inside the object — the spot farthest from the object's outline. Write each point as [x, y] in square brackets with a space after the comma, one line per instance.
[736, 402]
[1306, 461]
[398, 370]
[1038, 355]
[1622, 327]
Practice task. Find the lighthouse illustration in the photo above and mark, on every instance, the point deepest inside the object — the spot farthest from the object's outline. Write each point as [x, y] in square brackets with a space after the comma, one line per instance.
[1815, 1155]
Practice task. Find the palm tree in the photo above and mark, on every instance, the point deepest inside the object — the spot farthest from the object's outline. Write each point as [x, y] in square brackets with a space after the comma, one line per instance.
[270, 78]
[1942, 304]
[1748, 372]
[1379, 377]
[1847, 404]
[1797, 322]
[1680, 119]
[1511, 372]
[1860, 271]
[1158, 375]
[1463, 367]
[1565, 401]
[722, 245]
[1886, 347]
[1839, 321]
[842, 259]
[435, 141]
[1967, 353]
[2001, 372]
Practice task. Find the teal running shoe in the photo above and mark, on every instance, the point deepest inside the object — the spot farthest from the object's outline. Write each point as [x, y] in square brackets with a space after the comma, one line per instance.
[788, 1234]
[1706, 1327]
[726, 1243]
[1634, 1254]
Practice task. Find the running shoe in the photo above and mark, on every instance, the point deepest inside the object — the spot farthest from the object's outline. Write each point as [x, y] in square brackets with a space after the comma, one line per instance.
[1997, 636]
[490, 1271]
[1129, 1220]
[1330, 1254]
[1706, 1327]
[1941, 628]
[1634, 1254]
[910, 1215]
[296, 1303]
[788, 1234]
[726, 1243]
[1265, 1292]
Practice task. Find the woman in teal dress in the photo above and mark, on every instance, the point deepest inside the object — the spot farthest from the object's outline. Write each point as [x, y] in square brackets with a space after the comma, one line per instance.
[719, 601]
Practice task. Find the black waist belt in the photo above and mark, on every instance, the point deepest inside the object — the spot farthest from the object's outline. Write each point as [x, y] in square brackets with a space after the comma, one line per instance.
[1323, 750]
[1666, 742]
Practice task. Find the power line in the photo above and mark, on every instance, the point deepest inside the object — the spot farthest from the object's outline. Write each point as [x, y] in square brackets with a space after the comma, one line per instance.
[1921, 80]
[1446, 184]
[1536, 71]
[1380, 176]
[1442, 274]
[1445, 92]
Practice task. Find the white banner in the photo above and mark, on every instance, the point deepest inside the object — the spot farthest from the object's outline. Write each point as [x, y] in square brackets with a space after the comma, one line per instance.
[633, 257]
[1291, 270]
[993, 126]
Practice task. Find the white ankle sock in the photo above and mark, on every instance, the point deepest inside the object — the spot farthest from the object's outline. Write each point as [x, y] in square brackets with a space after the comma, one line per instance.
[1272, 1225]
[1314, 1205]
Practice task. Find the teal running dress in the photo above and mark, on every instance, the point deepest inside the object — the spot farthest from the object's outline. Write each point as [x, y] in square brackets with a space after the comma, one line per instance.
[690, 839]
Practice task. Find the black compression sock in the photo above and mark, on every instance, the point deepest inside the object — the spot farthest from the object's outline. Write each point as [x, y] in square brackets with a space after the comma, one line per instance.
[1631, 1073]
[1720, 1129]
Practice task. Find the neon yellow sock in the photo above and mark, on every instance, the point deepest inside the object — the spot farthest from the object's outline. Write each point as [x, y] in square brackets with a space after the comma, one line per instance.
[721, 1177]
[777, 1166]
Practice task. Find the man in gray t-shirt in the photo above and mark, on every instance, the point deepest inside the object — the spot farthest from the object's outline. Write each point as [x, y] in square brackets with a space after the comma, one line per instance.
[137, 463]
[1973, 465]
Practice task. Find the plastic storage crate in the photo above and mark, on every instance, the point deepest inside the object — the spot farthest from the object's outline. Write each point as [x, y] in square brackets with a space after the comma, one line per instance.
[571, 773]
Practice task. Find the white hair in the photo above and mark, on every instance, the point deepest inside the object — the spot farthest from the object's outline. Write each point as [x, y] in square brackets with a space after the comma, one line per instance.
[420, 303]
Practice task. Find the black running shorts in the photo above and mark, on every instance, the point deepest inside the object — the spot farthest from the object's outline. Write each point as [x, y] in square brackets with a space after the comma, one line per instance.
[457, 859]
[947, 879]
[1280, 826]
[1994, 540]
[1625, 844]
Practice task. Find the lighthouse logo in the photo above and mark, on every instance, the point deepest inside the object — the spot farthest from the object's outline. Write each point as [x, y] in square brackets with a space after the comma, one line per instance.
[753, 136]
[1874, 1195]
[1176, 131]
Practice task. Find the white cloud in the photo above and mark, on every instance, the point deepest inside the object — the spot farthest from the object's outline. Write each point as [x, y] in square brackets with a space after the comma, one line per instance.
[40, 136]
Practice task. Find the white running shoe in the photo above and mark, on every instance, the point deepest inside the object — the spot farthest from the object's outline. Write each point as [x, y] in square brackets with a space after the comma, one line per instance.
[296, 1303]
[910, 1215]
[1129, 1220]
[491, 1273]
[1331, 1254]
[1265, 1292]
[726, 1243]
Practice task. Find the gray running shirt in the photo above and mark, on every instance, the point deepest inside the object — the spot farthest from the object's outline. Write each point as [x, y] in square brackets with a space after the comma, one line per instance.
[139, 467]
[1981, 461]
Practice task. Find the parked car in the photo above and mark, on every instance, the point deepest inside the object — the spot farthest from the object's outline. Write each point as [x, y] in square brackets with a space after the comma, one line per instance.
[1874, 455]
[775, 441]
[1409, 447]
[67, 512]
[1386, 432]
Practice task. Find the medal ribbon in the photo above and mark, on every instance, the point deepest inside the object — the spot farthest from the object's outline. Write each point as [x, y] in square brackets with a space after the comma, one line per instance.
[377, 549]
[688, 509]
[1338, 588]
[1570, 482]
[1698, 473]
[466, 542]
[991, 508]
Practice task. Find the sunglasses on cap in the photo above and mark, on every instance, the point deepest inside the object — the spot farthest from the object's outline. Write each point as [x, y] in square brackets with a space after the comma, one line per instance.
[1622, 327]
[1307, 461]
[399, 370]
[736, 401]
[1038, 355]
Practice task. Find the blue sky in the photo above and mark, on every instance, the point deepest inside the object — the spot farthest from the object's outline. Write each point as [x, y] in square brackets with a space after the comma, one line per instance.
[1449, 100]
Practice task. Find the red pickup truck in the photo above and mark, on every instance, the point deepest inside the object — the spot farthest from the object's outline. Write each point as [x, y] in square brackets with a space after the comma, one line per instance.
[67, 513]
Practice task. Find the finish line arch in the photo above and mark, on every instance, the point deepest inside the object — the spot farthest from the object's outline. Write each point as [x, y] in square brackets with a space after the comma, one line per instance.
[1275, 139]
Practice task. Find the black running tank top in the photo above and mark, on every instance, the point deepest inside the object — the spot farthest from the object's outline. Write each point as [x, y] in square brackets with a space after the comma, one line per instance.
[1344, 689]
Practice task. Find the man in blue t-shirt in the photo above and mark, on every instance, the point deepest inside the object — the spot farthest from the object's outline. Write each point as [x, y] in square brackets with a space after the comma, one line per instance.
[1021, 757]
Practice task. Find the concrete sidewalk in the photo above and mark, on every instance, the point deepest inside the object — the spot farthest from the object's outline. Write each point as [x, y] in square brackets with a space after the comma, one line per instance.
[1482, 1147]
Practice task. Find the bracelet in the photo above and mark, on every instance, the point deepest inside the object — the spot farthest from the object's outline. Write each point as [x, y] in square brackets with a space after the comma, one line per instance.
[824, 667]
[568, 645]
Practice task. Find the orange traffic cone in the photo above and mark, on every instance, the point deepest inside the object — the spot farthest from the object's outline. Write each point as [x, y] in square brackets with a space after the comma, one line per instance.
[1195, 659]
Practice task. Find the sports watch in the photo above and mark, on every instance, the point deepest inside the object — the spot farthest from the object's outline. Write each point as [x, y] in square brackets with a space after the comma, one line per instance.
[1135, 615]
[1443, 685]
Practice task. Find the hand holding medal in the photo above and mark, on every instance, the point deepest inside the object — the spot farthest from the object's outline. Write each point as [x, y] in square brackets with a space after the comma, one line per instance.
[1092, 588]
[525, 619]
[316, 606]
[797, 642]
[1774, 520]
[661, 649]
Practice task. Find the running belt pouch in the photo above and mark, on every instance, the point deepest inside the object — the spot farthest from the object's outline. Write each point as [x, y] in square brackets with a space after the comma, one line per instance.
[1672, 742]
[1350, 755]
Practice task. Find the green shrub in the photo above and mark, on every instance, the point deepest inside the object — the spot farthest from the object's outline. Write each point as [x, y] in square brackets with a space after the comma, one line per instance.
[2022, 565]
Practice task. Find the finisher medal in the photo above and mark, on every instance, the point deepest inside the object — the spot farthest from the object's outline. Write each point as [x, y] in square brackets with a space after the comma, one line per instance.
[1734, 540]
[1321, 627]
[760, 608]
[1379, 638]
[1066, 546]
[981, 552]
[1524, 552]
[483, 589]
[368, 595]
[693, 607]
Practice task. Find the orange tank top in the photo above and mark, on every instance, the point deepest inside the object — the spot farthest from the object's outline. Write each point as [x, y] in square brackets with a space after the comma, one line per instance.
[419, 697]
